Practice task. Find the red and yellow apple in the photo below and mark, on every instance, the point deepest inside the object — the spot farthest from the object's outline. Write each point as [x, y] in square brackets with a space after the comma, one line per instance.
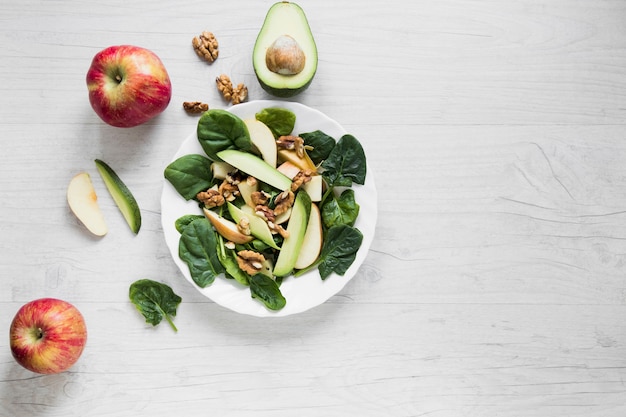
[128, 85]
[47, 335]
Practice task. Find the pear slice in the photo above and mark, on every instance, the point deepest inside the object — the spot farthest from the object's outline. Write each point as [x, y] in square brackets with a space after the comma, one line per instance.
[226, 228]
[83, 201]
[263, 140]
[122, 196]
[312, 241]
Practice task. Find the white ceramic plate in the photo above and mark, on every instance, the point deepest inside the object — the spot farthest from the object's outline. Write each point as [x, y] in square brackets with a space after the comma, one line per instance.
[303, 292]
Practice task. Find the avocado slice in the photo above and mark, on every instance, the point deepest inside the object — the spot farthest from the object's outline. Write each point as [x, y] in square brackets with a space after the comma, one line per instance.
[285, 54]
[296, 229]
[255, 166]
[122, 196]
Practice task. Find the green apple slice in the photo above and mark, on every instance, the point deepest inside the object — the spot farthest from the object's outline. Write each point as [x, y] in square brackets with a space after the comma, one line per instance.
[121, 195]
[255, 166]
[258, 226]
[296, 228]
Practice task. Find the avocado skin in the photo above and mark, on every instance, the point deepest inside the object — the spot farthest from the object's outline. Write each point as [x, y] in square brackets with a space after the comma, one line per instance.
[284, 92]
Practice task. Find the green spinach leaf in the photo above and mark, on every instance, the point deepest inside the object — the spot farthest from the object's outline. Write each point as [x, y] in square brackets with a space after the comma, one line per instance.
[321, 143]
[280, 121]
[346, 163]
[198, 249]
[154, 300]
[340, 210]
[219, 130]
[183, 221]
[228, 258]
[266, 289]
[339, 250]
[190, 174]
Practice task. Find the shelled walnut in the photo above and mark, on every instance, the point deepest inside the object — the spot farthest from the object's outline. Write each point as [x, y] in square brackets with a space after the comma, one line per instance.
[206, 46]
[195, 106]
[234, 94]
[250, 261]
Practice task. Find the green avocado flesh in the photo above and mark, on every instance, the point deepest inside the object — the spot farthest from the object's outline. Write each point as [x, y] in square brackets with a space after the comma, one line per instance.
[285, 19]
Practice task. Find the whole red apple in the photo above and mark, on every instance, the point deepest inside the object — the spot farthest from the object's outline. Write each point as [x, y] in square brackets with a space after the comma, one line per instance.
[47, 335]
[128, 85]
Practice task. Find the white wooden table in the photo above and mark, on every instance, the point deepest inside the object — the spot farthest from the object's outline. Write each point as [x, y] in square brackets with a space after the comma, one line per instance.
[495, 285]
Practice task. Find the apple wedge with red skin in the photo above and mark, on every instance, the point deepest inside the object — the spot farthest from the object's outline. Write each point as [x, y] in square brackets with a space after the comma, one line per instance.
[83, 202]
[128, 85]
[47, 335]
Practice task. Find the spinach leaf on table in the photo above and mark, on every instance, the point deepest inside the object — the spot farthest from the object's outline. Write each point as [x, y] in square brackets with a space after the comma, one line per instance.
[280, 121]
[346, 163]
[190, 174]
[340, 210]
[198, 249]
[219, 130]
[154, 300]
[266, 289]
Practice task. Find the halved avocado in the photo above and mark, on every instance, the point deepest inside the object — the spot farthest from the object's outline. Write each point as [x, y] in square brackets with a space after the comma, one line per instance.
[285, 54]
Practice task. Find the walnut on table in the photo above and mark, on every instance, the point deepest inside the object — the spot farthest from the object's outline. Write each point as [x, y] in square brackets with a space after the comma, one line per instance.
[206, 46]
[234, 94]
[195, 106]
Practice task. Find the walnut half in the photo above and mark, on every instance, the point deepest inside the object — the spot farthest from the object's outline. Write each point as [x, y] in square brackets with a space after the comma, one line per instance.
[206, 46]
[250, 262]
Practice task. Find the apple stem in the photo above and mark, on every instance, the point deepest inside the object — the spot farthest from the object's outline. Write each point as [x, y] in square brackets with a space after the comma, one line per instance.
[118, 78]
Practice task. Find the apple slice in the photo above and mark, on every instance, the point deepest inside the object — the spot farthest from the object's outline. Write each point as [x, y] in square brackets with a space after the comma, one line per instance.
[246, 188]
[226, 228]
[83, 201]
[221, 169]
[263, 140]
[292, 156]
[255, 166]
[122, 196]
[289, 169]
[296, 228]
[258, 226]
[312, 242]
[314, 188]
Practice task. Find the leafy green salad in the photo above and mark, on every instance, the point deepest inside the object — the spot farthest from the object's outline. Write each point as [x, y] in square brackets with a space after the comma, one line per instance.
[275, 203]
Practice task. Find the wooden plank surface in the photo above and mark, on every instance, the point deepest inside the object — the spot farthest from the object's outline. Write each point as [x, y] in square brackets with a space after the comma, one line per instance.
[495, 283]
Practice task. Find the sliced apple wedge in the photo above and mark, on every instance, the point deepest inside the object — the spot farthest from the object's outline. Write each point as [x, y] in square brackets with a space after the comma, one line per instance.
[296, 229]
[292, 156]
[314, 188]
[83, 201]
[255, 166]
[289, 169]
[263, 140]
[258, 226]
[122, 196]
[246, 188]
[221, 169]
[313, 239]
[226, 228]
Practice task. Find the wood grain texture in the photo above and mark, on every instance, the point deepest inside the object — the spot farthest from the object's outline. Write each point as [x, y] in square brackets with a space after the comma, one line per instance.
[494, 287]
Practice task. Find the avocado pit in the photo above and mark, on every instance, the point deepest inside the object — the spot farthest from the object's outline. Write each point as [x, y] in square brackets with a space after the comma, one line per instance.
[285, 56]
